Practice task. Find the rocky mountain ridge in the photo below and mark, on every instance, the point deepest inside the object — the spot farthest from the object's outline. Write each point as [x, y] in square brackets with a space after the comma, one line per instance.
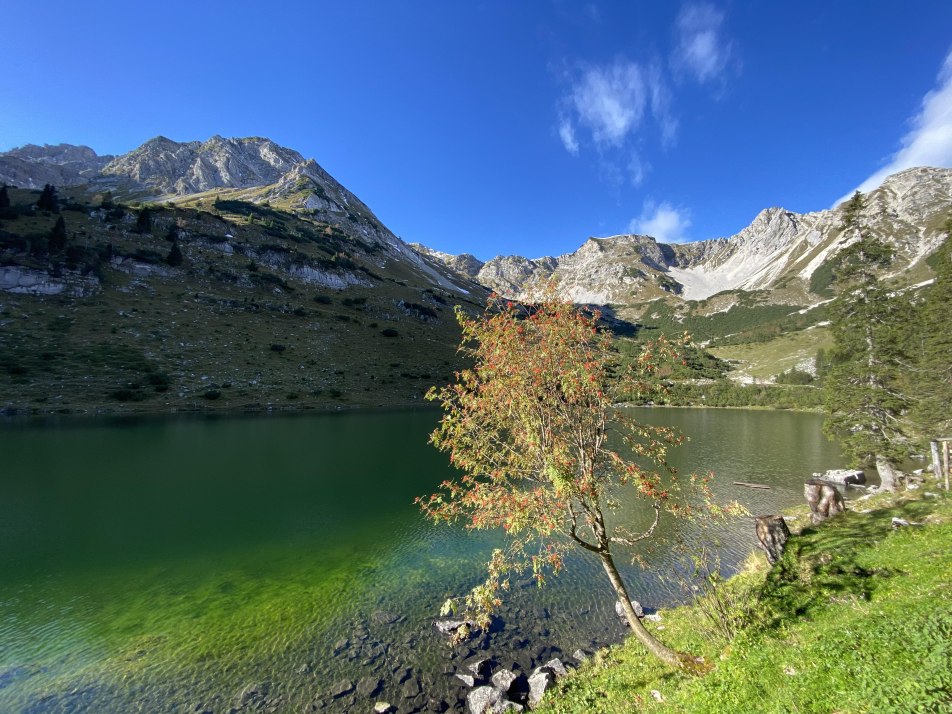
[32, 166]
[780, 251]
[172, 168]
[251, 169]
[226, 274]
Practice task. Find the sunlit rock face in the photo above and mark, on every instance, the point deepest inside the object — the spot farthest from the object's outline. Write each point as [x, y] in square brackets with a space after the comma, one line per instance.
[779, 249]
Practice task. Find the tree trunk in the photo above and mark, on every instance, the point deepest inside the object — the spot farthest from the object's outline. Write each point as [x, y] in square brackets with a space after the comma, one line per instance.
[889, 477]
[824, 500]
[772, 532]
[651, 643]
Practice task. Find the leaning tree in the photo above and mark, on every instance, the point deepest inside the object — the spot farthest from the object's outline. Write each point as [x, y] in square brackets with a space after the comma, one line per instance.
[545, 455]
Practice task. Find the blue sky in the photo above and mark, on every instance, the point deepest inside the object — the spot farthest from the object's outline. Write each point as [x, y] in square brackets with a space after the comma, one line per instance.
[510, 127]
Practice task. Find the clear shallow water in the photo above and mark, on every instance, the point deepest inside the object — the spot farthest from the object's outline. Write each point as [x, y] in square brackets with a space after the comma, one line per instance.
[200, 565]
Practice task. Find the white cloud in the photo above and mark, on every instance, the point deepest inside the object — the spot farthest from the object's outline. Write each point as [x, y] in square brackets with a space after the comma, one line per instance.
[661, 105]
[929, 143]
[638, 169]
[567, 135]
[609, 104]
[702, 50]
[662, 221]
[610, 101]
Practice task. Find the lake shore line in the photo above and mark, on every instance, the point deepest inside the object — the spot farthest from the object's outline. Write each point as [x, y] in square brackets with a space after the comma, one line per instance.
[841, 613]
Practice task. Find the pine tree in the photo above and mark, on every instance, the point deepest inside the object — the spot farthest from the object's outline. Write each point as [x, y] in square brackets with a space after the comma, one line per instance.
[57, 240]
[933, 388]
[47, 199]
[174, 258]
[144, 221]
[4, 197]
[863, 399]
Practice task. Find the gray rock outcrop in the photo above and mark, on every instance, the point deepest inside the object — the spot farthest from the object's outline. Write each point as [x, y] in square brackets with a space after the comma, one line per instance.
[844, 477]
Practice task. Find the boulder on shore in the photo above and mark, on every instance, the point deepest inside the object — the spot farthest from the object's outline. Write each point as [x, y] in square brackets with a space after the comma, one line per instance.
[824, 500]
[844, 477]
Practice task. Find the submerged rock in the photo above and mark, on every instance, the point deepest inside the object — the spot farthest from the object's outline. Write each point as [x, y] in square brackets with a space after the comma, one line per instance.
[639, 611]
[369, 686]
[341, 688]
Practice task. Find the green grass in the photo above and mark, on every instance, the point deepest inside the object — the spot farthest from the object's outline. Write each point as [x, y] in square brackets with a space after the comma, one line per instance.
[208, 325]
[856, 617]
[763, 360]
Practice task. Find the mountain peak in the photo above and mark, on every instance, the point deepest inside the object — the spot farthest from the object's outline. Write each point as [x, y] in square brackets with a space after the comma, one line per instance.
[170, 167]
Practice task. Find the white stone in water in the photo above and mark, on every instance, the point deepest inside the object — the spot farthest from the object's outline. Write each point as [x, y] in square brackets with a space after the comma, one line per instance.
[381, 707]
[639, 611]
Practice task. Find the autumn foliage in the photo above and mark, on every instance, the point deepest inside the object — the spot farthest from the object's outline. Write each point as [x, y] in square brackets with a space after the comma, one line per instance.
[543, 451]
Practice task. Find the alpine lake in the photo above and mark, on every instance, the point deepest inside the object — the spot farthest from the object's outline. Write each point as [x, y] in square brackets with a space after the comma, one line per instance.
[279, 563]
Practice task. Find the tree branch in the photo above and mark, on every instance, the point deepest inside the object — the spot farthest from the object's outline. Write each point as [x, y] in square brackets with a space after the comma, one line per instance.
[647, 534]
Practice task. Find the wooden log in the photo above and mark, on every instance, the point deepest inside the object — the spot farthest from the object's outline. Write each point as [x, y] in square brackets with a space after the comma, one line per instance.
[936, 459]
[751, 485]
[772, 532]
[824, 500]
[945, 462]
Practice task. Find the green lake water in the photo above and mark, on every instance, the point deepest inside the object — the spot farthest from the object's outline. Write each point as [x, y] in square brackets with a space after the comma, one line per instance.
[189, 565]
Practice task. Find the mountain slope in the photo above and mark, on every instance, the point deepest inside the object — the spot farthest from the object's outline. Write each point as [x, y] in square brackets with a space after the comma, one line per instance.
[780, 251]
[289, 294]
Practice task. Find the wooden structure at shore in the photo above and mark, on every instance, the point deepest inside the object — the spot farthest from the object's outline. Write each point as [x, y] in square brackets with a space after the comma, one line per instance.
[941, 465]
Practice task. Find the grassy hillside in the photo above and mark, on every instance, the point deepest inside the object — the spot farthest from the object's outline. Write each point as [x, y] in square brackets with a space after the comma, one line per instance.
[268, 309]
[760, 361]
[854, 618]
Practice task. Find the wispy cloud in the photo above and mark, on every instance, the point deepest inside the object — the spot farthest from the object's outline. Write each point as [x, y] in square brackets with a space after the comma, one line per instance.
[623, 110]
[701, 49]
[609, 103]
[567, 135]
[637, 169]
[929, 142]
[662, 221]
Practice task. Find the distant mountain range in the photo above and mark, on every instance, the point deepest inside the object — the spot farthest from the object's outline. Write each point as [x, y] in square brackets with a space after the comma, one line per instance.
[258, 224]
[780, 251]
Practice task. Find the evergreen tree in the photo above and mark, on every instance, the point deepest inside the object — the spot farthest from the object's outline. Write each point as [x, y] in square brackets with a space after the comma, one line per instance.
[47, 199]
[4, 197]
[57, 240]
[863, 400]
[174, 258]
[144, 221]
[933, 389]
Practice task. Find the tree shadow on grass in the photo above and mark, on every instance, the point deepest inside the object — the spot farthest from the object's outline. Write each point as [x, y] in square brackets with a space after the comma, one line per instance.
[821, 565]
